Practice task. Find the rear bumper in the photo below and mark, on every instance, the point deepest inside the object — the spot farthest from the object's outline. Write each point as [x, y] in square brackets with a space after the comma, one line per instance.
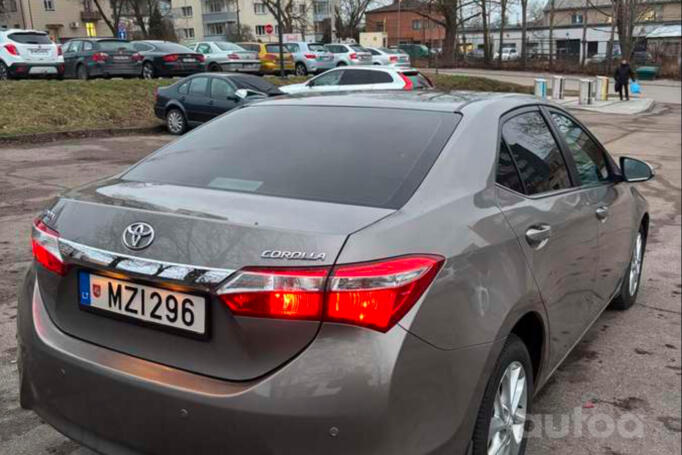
[27, 70]
[170, 69]
[107, 69]
[315, 66]
[241, 67]
[369, 386]
[273, 66]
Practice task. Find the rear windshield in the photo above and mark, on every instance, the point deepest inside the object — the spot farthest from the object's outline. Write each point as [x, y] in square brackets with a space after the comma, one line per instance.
[113, 45]
[317, 48]
[248, 81]
[359, 49]
[250, 47]
[229, 46]
[173, 47]
[30, 38]
[360, 156]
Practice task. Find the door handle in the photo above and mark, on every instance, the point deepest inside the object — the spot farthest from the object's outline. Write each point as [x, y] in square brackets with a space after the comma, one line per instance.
[602, 213]
[538, 235]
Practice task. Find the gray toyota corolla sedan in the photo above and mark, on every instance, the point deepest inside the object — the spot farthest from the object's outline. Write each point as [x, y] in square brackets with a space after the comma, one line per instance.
[401, 278]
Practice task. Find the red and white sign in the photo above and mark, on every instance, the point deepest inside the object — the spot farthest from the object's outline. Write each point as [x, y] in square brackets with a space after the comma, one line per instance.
[269, 29]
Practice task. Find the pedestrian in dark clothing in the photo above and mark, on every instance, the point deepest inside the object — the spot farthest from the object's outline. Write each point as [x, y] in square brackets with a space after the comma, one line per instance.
[622, 75]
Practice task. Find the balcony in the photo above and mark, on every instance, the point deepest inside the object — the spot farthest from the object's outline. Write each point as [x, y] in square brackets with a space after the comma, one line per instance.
[224, 16]
[90, 16]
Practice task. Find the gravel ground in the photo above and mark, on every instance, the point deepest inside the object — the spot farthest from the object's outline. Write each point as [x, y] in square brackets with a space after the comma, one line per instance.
[626, 371]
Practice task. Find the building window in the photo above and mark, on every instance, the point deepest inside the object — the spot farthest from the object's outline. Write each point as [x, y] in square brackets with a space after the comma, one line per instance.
[187, 33]
[416, 24]
[302, 8]
[379, 26]
[216, 29]
[49, 5]
[321, 8]
[576, 18]
[215, 6]
[90, 29]
[649, 15]
[259, 8]
[186, 11]
[11, 5]
[260, 30]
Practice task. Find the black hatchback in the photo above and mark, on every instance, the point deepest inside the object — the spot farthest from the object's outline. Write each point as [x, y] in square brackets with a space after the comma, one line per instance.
[200, 98]
[87, 58]
[167, 59]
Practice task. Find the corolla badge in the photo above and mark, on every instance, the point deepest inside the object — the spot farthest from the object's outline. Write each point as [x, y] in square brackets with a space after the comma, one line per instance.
[138, 236]
[293, 255]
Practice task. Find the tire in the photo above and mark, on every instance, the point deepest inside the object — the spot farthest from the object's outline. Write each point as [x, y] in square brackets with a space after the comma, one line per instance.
[4, 72]
[176, 121]
[215, 68]
[148, 71]
[632, 280]
[82, 73]
[301, 69]
[513, 360]
[341, 64]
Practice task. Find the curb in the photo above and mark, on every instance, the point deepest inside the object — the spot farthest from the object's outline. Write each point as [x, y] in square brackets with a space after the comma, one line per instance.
[78, 134]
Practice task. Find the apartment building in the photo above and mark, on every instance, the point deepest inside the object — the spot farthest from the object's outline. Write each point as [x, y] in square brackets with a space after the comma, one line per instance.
[197, 20]
[61, 19]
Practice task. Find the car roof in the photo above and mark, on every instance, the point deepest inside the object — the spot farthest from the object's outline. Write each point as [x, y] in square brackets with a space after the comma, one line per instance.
[455, 101]
[22, 30]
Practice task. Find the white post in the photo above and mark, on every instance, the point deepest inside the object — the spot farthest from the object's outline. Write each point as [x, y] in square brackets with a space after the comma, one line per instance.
[557, 88]
[541, 88]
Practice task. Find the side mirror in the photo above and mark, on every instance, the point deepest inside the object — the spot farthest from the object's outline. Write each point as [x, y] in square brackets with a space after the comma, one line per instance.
[243, 93]
[635, 170]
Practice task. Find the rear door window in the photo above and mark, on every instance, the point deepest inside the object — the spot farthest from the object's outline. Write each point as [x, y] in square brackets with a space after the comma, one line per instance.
[507, 174]
[198, 86]
[221, 89]
[361, 156]
[328, 78]
[87, 46]
[536, 153]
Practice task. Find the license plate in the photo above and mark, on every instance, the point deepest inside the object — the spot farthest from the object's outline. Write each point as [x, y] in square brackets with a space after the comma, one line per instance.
[149, 304]
[121, 58]
[188, 60]
[43, 70]
[39, 51]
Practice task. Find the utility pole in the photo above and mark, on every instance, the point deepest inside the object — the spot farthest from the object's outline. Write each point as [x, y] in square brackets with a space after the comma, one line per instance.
[332, 20]
[398, 34]
[239, 25]
[282, 74]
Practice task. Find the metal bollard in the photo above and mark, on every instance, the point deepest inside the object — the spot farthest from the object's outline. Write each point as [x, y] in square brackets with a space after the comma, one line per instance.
[602, 92]
[585, 91]
[541, 88]
[557, 88]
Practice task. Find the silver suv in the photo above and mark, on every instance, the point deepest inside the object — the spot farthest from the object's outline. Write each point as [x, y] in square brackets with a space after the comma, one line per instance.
[310, 57]
[349, 54]
[29, 53]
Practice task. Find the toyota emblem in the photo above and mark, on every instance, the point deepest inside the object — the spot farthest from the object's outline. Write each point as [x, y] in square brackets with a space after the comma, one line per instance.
[138, 236]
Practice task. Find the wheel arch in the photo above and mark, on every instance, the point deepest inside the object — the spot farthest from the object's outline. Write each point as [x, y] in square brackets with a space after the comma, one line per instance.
[175, 105]
[531, 329]
[645, 224]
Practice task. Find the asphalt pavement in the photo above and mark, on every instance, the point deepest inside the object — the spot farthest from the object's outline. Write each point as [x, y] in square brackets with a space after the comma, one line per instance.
[625, 373]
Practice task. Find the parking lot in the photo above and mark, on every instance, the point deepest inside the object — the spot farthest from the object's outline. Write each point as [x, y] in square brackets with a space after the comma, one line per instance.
[628, 365]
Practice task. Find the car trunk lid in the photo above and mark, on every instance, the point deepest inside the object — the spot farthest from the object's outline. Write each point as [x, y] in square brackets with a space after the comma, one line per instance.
[34, 47]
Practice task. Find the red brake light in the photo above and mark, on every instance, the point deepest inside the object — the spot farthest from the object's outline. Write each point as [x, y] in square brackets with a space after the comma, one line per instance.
[45, 244]
[59, 50]
[287, 293]
[353, 56]
[100, 57]
[170, 57]
[310, 56]
[138, 57]
[378, 294]
[233, 56]
[374, 295]
[393, 58]
[12, 49]
[408, 83]
[200, 58]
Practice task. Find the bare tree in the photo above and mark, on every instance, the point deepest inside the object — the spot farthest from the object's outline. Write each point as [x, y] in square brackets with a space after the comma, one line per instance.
[551, 34]
[348, 15]
[117, 7]
[627, 13]
[503, 19]
[584, 40]
[294, 14]
[524, 32]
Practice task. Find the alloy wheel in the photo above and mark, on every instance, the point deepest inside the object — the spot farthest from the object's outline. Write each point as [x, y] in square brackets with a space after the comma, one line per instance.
[4, 73]
[147, 71]
[175, 121]
[636, 264]
[507, 424]
[301, 69]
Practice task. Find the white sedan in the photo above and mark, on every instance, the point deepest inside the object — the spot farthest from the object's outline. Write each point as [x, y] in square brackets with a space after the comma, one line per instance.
[362, 78]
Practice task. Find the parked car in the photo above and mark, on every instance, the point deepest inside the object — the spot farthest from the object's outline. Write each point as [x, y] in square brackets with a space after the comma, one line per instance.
[406, 262]
[29, 53]
[202, 97]
[349, 54]
[88, 58]
[508, 54]
[389, 57]
[310, 57]
[167, 59]
[226, 56]
[268, 53]
[476, 54]
[415, 50]
[362, 78]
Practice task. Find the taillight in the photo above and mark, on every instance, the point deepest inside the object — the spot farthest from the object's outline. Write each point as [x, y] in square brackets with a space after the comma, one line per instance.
[408, 82]
[310, 56]
[45, 244]
[12, 49]
[170, 57]
[233, 56]
[200, 58]
[137, 57]
[100, 57]
[59, 50]
[378, 294]
[393, 58]
[288, 293]
[353, 56]
[374, 295]
[269, 57]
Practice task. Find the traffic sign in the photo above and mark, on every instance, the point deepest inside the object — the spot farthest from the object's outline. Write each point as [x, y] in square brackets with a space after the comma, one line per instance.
[269, 29]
